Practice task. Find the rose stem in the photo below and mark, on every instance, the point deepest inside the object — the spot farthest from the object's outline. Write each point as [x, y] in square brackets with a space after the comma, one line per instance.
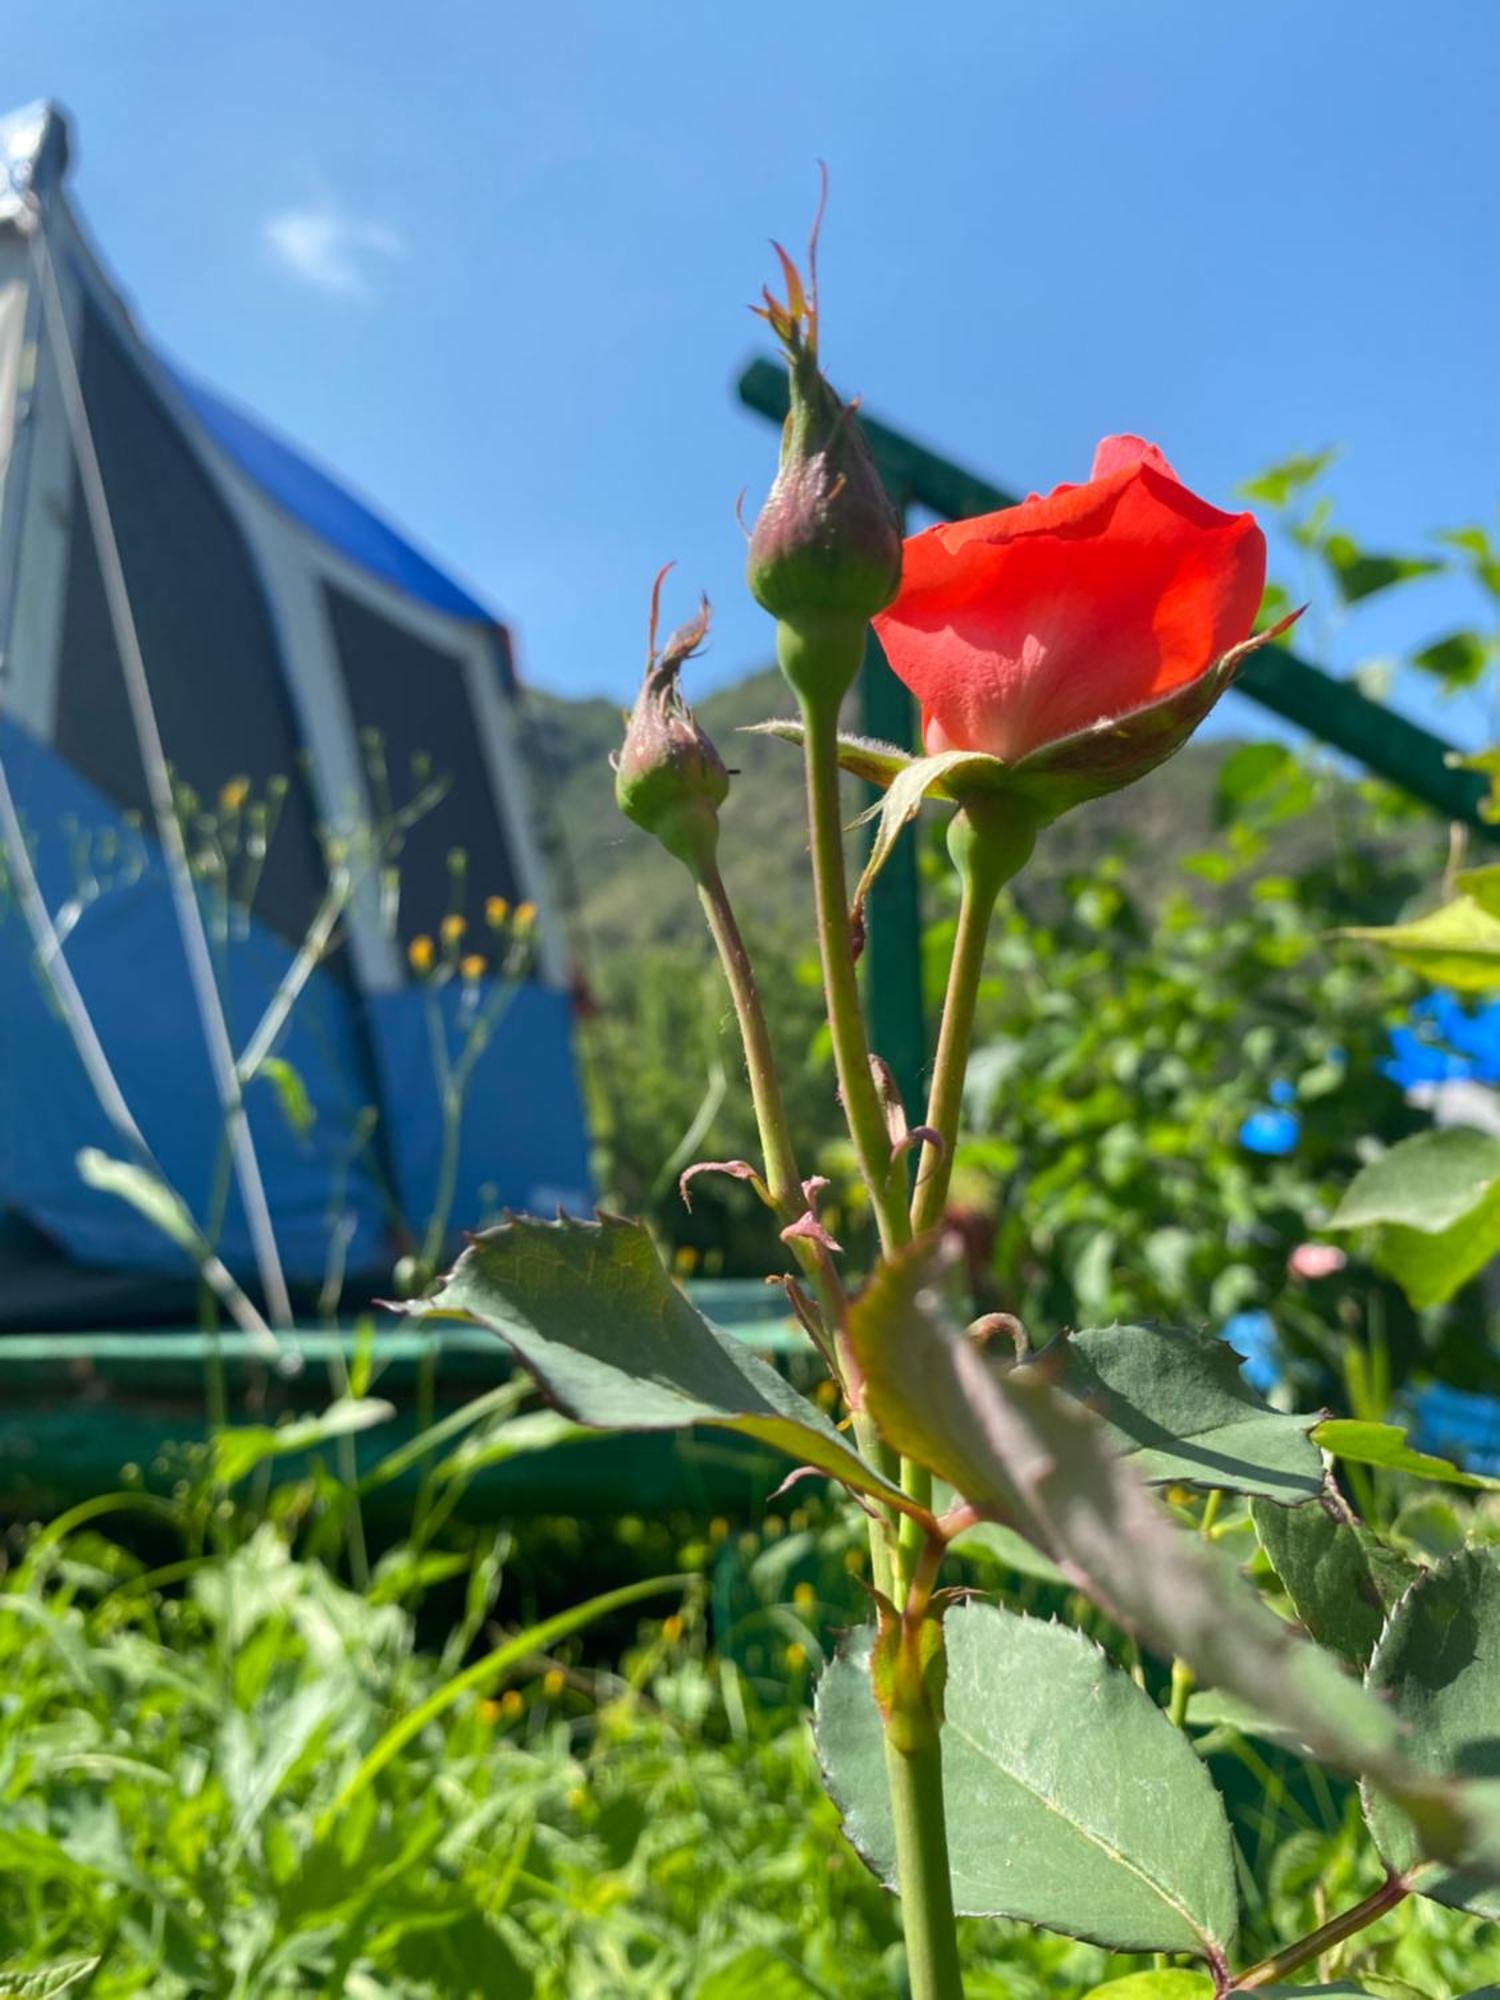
[987, 848]
[783, 1180]
[926, 1887]
[915, 1774]
[782, 1177]
[851, 1055]
[1395, 1889]
[1183, 1679]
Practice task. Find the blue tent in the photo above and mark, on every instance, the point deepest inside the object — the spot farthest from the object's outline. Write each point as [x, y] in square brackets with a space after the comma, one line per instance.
[346, 740]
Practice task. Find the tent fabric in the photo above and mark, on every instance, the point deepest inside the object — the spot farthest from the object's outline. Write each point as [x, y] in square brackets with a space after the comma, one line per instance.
[200, 609]
[321, 505]
[521, 1135]
[126, 955]
[288, 634]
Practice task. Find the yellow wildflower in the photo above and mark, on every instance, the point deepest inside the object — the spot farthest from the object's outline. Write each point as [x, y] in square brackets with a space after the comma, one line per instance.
[671, 1629]
[553, 1684]
[453, 928]
[472, 967]
[234, 794]
[421, 952]
[496, 910]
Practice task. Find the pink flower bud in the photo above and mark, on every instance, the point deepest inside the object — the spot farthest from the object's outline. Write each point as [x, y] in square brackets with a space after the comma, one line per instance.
[827, 545]
[669, 778]
[1316, 1260]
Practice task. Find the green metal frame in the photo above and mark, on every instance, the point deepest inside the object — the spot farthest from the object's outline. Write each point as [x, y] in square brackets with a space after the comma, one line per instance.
[76, 1408]
[1330, 709]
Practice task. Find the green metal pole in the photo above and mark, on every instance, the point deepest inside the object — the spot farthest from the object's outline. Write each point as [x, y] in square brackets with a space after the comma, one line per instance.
[893, 948]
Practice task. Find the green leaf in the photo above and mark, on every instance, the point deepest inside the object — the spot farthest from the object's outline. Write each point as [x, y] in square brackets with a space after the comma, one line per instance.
[1385, 1446]
[1212, 1708]
[45, 1982]
[1275, 486]
[1427, 1182]
[481, 1676]
[1458, 661]
[1473, 541]
[1487, 764]
[760, 1973]
[1016, 1449]
[296, 1106]
[1175, 1403]
[918, 780]
[993, 1538]
[1483, 885]
[1430, 1526]
[1155, 1986]
[238, 1451]
[1342, 1580]
[1458, 945]
[146, 1193]
[1438, 1665]
[1437, 1199]
[1044, 1743]
[537, 1430]
[1359, 574]
[590, 1310]
[861, 756]
[1247, 774]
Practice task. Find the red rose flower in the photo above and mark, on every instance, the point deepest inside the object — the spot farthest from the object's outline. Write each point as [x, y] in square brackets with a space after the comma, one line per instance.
[1040, 633]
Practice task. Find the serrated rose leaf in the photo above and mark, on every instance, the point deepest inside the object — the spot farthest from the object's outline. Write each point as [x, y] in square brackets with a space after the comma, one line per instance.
[1017, 1450]
[1342, 1580]
[1438, 1665]
[1071, 1801]
[1176, 1405]
[591, 1311]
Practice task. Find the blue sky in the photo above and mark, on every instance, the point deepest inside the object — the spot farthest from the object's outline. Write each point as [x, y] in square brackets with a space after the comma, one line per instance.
[492, 262]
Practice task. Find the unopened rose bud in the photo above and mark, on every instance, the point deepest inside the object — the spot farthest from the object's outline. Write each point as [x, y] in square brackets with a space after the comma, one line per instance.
[826, 550]
[669, 778]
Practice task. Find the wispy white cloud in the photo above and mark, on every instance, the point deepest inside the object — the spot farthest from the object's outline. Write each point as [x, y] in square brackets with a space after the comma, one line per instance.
[324, 245]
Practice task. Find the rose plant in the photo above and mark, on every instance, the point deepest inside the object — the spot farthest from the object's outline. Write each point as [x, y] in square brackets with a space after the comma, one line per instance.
[984, 1762]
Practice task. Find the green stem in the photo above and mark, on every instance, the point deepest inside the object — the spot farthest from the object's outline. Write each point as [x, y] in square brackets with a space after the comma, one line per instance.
[851, 1054]
[915, 1771]
[981, 885]
[782, 1177]
[916, 1781]
[987, 845]
[1274, 1969]
[1182, 1687]
[1183, 1678]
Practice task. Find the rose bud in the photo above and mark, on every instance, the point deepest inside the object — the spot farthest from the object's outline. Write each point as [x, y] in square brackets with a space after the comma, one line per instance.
[826, 550]
[1079, 638]
[669, 778]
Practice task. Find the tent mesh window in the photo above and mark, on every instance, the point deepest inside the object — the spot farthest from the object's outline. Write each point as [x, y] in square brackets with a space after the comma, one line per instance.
[211, 654]
[412, 712]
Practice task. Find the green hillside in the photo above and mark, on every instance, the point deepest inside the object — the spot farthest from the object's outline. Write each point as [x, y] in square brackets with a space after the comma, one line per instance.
[629, 892]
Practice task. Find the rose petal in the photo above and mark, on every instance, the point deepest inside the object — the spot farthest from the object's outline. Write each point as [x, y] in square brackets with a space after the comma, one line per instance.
[1022, 627]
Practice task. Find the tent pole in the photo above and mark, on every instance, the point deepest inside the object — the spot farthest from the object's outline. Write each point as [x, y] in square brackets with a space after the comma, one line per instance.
[159, 787]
